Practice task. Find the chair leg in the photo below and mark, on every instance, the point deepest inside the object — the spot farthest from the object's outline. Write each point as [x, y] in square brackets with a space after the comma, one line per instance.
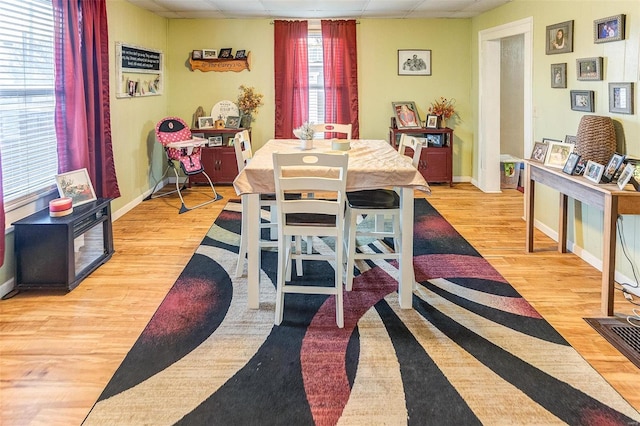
[351, 249]
[338, 283]
[283, 248]
[242, 252]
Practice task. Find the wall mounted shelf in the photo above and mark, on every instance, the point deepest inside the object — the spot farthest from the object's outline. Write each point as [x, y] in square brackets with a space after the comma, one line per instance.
[221, 65]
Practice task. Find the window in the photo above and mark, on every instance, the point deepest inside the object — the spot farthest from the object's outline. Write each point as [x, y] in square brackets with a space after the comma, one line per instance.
[316, 77]
[27, 100]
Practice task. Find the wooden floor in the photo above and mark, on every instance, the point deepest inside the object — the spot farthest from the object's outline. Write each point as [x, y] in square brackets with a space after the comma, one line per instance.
[59, 350]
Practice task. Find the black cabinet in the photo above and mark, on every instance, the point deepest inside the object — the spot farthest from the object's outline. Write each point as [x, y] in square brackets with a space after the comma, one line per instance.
[59, 252]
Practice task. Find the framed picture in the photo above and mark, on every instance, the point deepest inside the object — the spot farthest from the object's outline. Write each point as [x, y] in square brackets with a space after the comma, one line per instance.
[209, 54]
[406, 114]
[432, 121]
[205, 122]
[196, 54]
[621, 98]
[625, 176]
[548, 141]
[225, 53]
[434, 139]
[414, 62]
[241, 54]
[197, 135]
[233, 122]
[77, 186]
[612, 168]
[539, 153]
[582, 100]
[570, 166]
[558, 154]
[559, 38]
[608, 29]
[215, 140]
[559, 76]
[570, 139]
[589, 68]
[593, 171]
[582, 163]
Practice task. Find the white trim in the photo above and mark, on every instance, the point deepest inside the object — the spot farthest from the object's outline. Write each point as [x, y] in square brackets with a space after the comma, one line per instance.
[488, 162]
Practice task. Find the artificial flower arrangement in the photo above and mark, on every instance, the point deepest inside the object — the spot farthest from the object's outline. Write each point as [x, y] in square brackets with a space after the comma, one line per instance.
[304, 132]
[445, 108]
[249, 100]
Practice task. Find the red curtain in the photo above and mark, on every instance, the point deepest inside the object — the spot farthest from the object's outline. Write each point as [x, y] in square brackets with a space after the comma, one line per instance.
[83, 121]
[2, 240]
[291, 76]
[341, 73]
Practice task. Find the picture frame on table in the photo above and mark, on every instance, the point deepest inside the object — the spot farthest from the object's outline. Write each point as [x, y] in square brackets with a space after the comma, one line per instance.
[608, 29]
[559, 38]
[233, 122]
[593, 171]
[582, 100]
[589, 69]
[76, 185]
[433, 121]
[621, 98]
[614, 164]
[570, 139]
[559, 76]
[196, 54]
[241, 54]
[558, 154]
[215, 140]
[225, 53]
[580, 166]
[406, 115]
[625, 176]
[209, 54]
[539, 152]
[414, 62]
[570, 166]
[548, 141]
[435, 139]
[205, 122]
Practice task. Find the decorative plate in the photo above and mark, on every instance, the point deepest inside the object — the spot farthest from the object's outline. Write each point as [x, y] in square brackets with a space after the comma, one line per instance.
[223, 109]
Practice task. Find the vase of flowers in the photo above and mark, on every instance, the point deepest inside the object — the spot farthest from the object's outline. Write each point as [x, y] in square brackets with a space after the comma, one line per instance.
[248, 103]
[444, 108]
[305, 134]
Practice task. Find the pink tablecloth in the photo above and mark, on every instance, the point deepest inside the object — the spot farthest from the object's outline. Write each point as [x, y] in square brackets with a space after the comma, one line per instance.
[372, 164]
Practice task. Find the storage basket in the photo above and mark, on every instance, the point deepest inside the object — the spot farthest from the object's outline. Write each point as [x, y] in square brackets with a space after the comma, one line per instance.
[596, 139]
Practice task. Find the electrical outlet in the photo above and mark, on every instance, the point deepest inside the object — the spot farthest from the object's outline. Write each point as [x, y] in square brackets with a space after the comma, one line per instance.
[635, 290]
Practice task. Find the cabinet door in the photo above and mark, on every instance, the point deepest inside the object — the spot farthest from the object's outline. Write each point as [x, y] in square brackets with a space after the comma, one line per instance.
[227, 165]
[208, 158]
[435, 164]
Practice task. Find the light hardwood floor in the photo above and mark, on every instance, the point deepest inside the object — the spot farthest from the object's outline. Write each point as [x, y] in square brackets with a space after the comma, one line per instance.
[59, 350]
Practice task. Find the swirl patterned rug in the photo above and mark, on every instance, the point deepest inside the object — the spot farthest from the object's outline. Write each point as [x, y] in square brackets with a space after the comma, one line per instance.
[471, 351]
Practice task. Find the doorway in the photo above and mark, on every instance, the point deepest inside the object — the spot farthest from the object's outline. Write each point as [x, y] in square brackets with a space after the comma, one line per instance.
[489, 99]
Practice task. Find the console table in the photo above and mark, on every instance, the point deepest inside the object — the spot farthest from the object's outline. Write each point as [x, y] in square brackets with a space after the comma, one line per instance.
[606, 197]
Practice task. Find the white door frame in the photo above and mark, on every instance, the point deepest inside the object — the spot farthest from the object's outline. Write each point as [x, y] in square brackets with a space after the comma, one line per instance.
[488, 158]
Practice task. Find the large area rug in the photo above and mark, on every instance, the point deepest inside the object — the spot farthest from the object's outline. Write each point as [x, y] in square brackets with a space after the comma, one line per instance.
[471, 351]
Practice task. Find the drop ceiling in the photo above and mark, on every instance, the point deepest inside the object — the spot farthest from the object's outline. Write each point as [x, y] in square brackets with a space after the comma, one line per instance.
[313, 9]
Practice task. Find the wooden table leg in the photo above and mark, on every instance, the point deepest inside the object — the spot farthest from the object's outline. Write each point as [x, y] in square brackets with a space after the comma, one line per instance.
[529, 207]
[562, 224]
[609, 253]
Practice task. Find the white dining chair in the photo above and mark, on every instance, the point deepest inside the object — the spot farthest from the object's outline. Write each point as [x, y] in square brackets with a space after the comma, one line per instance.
[244, 154]
[333, 128]
[382, 204]
[304, 173]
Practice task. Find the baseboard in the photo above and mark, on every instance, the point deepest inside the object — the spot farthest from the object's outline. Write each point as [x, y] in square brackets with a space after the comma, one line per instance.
[7, 287]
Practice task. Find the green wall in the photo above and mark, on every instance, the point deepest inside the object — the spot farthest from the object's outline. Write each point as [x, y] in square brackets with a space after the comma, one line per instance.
[140, 161]
[553, 117]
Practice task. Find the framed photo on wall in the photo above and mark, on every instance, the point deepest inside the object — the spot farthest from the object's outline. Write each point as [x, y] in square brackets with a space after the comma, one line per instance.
[559, 76]
[589, 68]
[406, 115]
[582, 100]
[621, 98]
[414, 62]
[559, 38]
[608, 29]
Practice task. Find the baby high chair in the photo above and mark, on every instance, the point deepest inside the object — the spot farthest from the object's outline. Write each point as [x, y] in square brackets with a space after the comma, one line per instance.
[179, 145]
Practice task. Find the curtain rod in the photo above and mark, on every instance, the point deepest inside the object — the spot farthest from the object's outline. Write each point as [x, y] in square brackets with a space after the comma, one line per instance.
[357, 22]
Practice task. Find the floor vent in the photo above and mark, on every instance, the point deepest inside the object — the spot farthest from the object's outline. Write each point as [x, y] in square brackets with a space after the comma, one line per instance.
[622, 335]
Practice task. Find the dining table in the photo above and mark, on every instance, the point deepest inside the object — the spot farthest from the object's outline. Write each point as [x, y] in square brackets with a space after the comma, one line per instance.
[373, 164]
